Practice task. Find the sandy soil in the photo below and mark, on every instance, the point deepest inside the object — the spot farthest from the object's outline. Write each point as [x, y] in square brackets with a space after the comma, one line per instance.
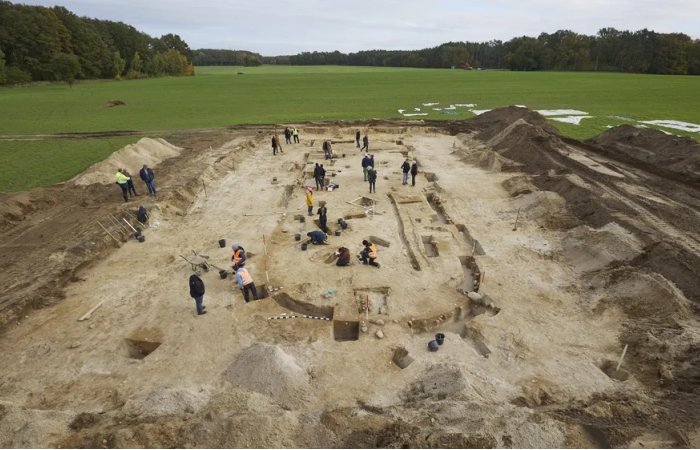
[536, 315]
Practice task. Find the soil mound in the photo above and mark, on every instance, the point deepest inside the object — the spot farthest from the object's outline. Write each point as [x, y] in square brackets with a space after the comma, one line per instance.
[493, 122]
[132, 157]
[591, 249]
[653, 149]
[267, 369]
[167, 402]
[439, 382]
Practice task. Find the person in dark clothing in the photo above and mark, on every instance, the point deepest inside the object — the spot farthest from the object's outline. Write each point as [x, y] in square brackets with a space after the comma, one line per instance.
[357, 138]
[405, 168]
[287, 135]
[142, 214]
[323, 218]
[414, 172]
[147, 176]
[197, 292]
[366, 162]
[274, 145]
[130, 184]
[365, 144]
[318, 237]
[343, 255]
[317, 176]
[372, 178]
[322, 173]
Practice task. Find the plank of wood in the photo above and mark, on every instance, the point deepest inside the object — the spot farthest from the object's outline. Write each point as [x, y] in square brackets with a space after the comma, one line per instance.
[89, 313]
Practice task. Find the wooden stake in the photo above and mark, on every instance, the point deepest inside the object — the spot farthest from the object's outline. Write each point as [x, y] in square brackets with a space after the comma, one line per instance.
[205, 189]
[89, 313]
[107, 231]
[622, 357]
[267, 277]
[515, 226]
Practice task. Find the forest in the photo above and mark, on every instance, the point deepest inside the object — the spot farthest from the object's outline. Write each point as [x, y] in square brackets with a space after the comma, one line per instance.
[641, 51]
[53, 44]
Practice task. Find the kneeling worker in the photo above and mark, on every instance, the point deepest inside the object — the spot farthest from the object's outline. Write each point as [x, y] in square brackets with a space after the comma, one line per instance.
[246, 284]
[343, 255]
[238, 257]
[369, 255]
[318, 237]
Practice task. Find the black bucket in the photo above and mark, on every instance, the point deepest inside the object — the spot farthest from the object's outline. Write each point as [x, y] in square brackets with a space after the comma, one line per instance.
[337, 232]
[304, 246]
[433, 346]
[440, 338]
[343, 225]
[297, 237]
[141, 238]
[223, 274]
[302, 219]
[222, 243]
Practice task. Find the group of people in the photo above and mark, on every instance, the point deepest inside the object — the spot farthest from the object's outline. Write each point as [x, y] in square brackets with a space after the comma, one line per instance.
[124, 181]
[365, 141]
[368, 254]
[288, 136]
[319, 176]
[407, 167]
[242, 277]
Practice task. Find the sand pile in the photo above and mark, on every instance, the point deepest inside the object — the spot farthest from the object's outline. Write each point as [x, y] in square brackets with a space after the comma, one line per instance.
[132, 157]
[440, 381]
[589, 249]
[267, 369]
[167, 401]
[654, 149]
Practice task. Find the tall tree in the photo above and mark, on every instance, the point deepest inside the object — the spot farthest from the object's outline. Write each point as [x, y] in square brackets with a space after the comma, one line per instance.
[65, 67]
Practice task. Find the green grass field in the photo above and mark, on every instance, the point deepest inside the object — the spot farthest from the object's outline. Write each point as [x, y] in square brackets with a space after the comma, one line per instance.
[219, 96]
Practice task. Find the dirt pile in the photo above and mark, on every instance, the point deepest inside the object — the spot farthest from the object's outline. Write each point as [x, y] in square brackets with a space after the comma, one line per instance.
[269, 370]
[589, 249]
[667, 155]
[146, 151]
[494, 122]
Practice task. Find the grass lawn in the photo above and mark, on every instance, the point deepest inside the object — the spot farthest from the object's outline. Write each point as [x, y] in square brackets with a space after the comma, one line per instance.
[219, 96]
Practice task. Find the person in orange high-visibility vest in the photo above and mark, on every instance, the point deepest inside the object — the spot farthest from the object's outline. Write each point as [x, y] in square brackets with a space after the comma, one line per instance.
[369, 254]
[238, 257]
[246, 284]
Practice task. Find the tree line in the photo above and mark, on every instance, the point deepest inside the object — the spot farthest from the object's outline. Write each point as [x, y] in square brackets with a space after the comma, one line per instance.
[215, 57]
[39, 43]
[641, 51]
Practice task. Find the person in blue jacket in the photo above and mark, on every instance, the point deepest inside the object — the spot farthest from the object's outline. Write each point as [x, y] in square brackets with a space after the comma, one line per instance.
[147, 175]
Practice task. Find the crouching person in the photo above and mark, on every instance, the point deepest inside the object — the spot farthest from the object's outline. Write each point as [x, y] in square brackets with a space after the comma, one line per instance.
[343, 255]
[246, 284]
[369, 254]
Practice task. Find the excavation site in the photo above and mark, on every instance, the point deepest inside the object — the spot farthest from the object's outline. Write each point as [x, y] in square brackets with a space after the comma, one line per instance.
[532, 290]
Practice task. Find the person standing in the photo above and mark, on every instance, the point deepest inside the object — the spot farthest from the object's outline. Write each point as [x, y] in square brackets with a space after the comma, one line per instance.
[197, 292]
[366, 162]
[123, 182]
[322, 173]
[287, 136]
[365, 143]
[279, 143]
[414, 172]
[405, 168]
[372, 178]
[274, 146]
[130, 184]
[357, 138]
[295, 133]
[246, 284]
[310, 200]
[317, 176]
[323, 218]
[238, 257]
[147, 176]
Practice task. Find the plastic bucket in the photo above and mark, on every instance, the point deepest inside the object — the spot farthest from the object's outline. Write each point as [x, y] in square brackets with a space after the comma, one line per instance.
[440, 338]
[337, 232]
[297, 237]
[302, 219]
[223, 274]
[222, 243]
[141, 238]
[433, 346]
[304, 246]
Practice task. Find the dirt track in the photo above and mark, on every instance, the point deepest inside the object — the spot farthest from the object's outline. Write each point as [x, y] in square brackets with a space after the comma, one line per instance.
[606, 253]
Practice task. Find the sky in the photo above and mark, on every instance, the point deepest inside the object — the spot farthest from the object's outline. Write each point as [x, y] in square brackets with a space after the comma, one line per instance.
[281, 27]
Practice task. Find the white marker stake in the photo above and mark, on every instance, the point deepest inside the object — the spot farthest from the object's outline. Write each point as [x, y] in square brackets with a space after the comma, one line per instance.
[622, 357]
